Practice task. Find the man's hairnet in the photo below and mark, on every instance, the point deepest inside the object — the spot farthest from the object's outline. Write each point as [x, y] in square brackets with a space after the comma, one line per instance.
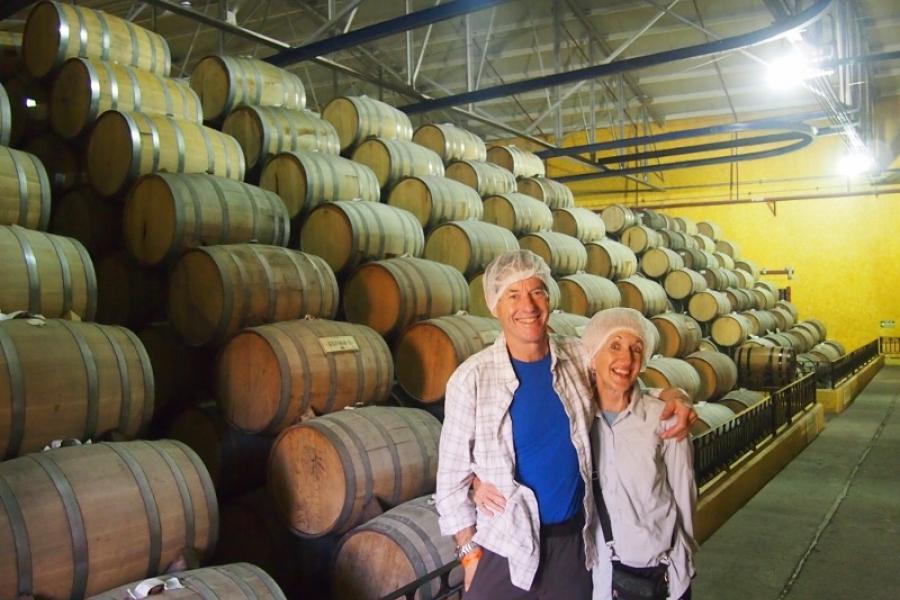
[612, 320]
[509, 268]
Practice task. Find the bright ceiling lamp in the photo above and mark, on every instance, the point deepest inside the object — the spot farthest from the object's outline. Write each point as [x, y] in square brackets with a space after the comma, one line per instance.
[793, 68]
[855, 163]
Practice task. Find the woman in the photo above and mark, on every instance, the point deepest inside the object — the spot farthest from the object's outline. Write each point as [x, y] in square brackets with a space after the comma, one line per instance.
[647, 482]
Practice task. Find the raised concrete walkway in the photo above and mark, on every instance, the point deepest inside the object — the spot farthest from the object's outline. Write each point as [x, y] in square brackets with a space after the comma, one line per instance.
[828, 525]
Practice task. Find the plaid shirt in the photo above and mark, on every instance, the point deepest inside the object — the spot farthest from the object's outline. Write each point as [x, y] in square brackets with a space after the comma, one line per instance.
[477, 439]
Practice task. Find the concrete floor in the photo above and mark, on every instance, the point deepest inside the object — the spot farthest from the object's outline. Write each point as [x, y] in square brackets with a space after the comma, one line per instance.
[828, 525]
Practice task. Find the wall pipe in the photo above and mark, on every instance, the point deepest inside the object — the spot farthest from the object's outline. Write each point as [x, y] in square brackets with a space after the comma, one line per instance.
[376, 31]
[792, 198]
[778, 29]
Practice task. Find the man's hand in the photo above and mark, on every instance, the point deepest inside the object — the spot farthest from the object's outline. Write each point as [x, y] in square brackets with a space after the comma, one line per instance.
[678, 404]
[487, 497]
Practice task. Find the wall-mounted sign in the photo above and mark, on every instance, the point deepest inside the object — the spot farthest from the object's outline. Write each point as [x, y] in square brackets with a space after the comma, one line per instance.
[889, 324]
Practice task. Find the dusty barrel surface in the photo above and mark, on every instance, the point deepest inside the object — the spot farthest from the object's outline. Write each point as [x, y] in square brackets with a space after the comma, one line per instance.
[84, 89]
[216, 291]
[450, 142]
[390, 294]
[392, 550]
[56, 31]
[331, 473]
[224, 82]
[24, 190]
[428, 352]
[103, 383]
[271, 376]
[45, 274]
[166, 213]
[304, 180]
[148, 144]
[357, 118]
[240, 581]
[85, 519]
[741, 399]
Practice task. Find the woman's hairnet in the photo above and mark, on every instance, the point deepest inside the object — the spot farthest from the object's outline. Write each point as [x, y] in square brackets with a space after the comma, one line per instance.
[612, 320]
[509, 268]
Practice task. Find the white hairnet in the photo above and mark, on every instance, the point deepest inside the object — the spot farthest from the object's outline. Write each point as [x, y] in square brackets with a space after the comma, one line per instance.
[509, 268]
[612, 320]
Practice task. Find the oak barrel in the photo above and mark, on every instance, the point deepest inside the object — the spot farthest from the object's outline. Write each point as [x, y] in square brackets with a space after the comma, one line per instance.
[730, 249]
[435, 200]
[478, 305]
[718, 374]
[84, 89]
[96, 223]
[764, 367]
[521, 163]
[761, 321]
[264, 131]
[676, 240]
[45, 274]
[697, 259]
[235, 460]
[56, 31]
[725, 261]
[730, 330]
[580, 223]
[224, 82]
[517, 212]
[468, 245]
[656, 263]
[716, 278]
[704, 243]
[272, 376]
[709, 229]
[741, 299]
[654, 220]
[685, 225]
[24, 190]
[357, 118]
[216, 291]
[450, 142]
[552, 193]
[665, 372]
[148, 144]
[102, 382]
[128, 294]
[710, 415]
[388, 295]
[563, 323]
[683, 283]
[610, 259]
[391, 160]
[641, 238]
[166, 213]
[748, 266]
[828, 351]
[303, 180]
[643, 295]
[239, 581]
[347, 234]
[679, 334]
[63, 162]
[564, 254]
[483, 177]
[783, 317]
[428, 352]
[84, 519]
[586, 294]
[392, 550]
[618, 218]
[331, 473]
[741, 399]
[705, 306]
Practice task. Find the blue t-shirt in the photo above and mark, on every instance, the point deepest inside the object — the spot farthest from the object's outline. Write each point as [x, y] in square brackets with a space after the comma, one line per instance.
[546, 460]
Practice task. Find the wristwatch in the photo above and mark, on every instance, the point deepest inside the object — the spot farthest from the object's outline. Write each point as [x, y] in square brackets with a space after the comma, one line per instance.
[466, 548]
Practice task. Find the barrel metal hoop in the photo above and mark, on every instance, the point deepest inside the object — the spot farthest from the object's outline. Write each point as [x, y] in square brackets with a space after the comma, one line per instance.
[31, 269]
[422, 443]
[187, 502]
[95, 92]
[284, 397]
[274, 591]
[91, 374]
[105, 40]
[240, 582]
[395, 459]
[153, 68]
[151, 508]
[417, 562]
[225, 232]
[180, 222]
[200, 587]
[135, 49]
[315, 185]
[180, 146]
[146, 376]
[65, 32]
[258, 82]
[210, 153]
[166, 88]
[260, 115]
[17, 391]
[326, 426]
[270, 278]
[228, 292]
[90, 280]
[65, 273]
[20, 538]
[80, 549]
[255, 217]
[304, 283]
[436, 560]
[82, 32]
[23, 189]
[231, 67]
[137, 98]
[409, 310]
[209, 494]
[124, 380]
[134, 168]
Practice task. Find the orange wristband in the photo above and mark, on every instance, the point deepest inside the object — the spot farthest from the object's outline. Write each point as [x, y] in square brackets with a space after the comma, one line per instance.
[471, 557]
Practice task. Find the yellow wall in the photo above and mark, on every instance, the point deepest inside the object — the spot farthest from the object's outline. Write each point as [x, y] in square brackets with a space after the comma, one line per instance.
[845, 251]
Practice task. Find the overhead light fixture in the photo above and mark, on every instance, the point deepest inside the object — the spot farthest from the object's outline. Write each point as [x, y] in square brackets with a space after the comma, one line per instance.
[855, 163]
[793, 68]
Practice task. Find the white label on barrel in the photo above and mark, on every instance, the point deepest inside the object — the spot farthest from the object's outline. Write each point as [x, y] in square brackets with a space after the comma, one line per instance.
[488, 337]
[339, 343]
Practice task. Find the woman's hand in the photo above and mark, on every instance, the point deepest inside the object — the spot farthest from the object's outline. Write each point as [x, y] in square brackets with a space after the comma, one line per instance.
[487, 497]
[678, 404]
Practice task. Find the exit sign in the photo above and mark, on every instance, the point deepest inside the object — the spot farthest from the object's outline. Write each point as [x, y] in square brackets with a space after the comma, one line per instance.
[889, 324]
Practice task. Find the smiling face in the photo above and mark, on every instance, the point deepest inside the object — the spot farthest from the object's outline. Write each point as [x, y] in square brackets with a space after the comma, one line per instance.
[618, 362]
[523, 310]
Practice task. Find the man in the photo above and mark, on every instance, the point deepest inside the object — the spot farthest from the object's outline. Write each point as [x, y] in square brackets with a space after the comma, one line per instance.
[517, 414]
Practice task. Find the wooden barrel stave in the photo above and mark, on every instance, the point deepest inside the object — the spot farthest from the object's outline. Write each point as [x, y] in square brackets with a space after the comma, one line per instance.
[240, 581]
[580, 223]
[517, 212]
[519, 162]
[564, 254]
[468, 245]
[664, 372]
[391, 160]
[643, 295]
[618, 218]
[683, 283]
[765, 367]
[656, 263]
[679, 334]
[435, 200]
[552, 193]
[24, 190]
[586, 294]
[610, 259]
[450, 142]
[483, 177]
[357, 118]
[718, 374]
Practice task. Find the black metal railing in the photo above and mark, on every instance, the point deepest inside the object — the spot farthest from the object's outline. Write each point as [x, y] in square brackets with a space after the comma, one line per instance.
[446, 590]
[889, 345]
[719, 448]
[830, 375]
